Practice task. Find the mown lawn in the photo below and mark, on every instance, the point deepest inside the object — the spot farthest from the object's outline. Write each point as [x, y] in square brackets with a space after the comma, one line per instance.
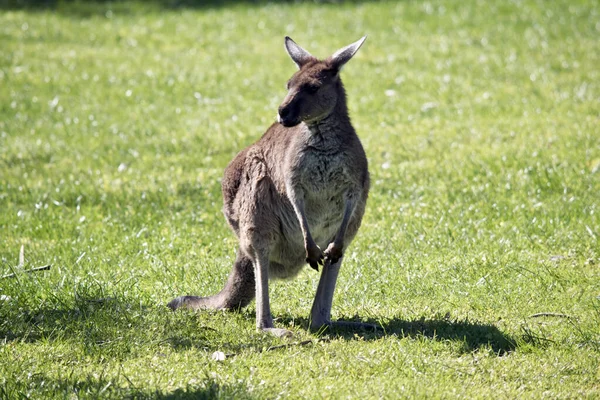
[481, 121]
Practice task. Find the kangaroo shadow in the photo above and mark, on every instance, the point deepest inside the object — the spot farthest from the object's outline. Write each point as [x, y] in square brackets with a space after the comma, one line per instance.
[111, 325]
[471, 334]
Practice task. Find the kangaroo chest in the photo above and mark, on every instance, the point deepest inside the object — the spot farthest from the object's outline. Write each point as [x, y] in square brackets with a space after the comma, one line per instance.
[325, 178]
[323, 174]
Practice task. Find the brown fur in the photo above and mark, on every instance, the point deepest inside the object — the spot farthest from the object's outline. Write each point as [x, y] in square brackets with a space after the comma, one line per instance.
[301, 188]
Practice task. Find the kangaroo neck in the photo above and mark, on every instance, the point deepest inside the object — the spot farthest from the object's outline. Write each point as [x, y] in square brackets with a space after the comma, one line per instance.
[336, 121]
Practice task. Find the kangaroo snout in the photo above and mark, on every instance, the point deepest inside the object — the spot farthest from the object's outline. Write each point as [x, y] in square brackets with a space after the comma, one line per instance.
[286, 117]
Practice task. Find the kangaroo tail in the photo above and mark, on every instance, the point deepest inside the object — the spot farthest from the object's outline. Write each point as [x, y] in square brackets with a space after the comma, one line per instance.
[238, 292]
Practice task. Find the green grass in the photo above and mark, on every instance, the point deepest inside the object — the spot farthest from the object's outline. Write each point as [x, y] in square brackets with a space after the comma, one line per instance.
[481, 123]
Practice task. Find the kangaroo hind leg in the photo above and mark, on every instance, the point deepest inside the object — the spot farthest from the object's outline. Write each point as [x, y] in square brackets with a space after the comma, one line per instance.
[264, 319]
[320, 315]
[237, 293]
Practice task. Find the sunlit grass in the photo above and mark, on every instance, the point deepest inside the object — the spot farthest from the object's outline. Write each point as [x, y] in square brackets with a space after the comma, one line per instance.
[481, 124]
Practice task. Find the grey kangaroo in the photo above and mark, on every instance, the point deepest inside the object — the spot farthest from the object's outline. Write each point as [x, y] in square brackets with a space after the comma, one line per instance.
[301, 188]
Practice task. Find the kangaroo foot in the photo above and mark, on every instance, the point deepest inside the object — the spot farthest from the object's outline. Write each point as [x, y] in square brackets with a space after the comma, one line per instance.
[314, 256]
[333, 253]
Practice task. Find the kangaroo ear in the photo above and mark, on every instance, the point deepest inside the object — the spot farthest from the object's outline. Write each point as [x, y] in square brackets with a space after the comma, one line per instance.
[343, 55]
[297, 53]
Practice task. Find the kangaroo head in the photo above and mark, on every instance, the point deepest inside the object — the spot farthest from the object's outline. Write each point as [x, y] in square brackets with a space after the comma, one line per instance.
[315, 89]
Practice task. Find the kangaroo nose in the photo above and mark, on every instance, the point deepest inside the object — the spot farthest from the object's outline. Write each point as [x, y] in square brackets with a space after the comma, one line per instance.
[284, 112]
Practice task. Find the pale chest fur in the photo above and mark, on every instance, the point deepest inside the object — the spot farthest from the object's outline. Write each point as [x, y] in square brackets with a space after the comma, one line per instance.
[323, 167]
[322, 172]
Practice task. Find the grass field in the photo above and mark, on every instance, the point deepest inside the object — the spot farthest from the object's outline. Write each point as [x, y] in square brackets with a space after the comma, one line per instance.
[481, 121]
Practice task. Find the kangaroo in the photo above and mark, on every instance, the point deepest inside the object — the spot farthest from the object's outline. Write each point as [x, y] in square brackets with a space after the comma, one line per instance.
[301, 188]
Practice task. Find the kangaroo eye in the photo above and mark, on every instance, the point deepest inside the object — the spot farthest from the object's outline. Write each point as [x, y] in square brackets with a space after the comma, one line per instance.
[312, 89]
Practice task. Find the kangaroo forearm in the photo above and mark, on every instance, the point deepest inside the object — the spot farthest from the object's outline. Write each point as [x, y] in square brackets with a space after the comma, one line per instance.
[348, 211]
[303, 221]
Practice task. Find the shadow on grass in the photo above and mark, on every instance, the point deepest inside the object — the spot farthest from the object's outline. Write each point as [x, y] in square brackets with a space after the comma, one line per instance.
[109, 326]
[472, 335]
[105, 326]
[119, 387]
[99, 7]
[212, 390]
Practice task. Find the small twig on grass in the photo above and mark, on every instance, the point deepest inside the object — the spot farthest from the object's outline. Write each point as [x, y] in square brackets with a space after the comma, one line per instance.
[27, 271]
[533, 338]
[220, 356]
[550, 314]
[100, 301]
[302, 343]
[22, 264]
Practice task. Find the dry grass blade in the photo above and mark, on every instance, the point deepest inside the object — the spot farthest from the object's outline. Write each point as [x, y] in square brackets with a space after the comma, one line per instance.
[22, 256]
[302, 343]
[550, 314]
[28, 271]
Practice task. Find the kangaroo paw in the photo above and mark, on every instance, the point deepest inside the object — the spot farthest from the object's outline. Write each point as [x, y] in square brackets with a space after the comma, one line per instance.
[333, 253]
[314, 256]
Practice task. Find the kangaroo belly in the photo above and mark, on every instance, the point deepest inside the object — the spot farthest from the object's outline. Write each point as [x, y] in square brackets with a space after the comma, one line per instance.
[324, 214]
[288, 254]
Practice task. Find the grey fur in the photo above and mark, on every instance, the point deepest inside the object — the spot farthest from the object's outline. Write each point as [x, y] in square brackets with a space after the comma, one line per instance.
[301, 188]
